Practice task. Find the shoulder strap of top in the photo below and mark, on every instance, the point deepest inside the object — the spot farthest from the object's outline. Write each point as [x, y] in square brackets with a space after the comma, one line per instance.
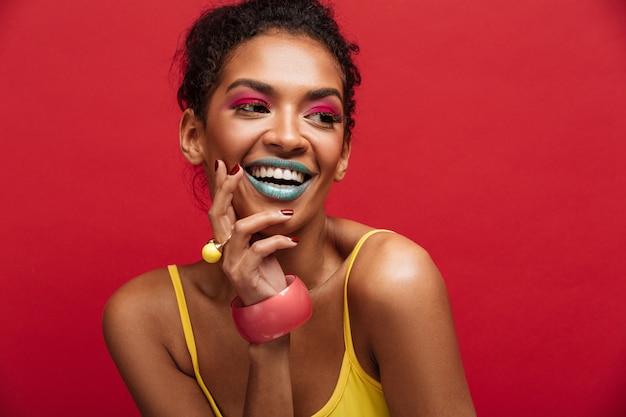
[347, 331]
[188, 331]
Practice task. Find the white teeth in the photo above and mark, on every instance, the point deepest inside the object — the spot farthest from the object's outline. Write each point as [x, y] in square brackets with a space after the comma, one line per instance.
[277, 173]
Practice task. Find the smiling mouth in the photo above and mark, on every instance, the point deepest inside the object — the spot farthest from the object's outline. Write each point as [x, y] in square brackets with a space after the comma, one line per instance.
[278, 178]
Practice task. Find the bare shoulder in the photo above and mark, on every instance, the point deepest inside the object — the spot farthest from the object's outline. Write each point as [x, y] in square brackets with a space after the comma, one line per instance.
[390, 267]
[403, 329]
[395, 283]
[138, 311]
[140, 298]
[143, 332]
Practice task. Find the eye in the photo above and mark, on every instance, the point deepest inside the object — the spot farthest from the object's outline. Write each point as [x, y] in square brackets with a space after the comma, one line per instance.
[324, 117]
[252, 106]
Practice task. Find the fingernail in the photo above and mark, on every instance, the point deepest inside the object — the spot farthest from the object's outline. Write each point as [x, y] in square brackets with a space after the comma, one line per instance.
[234, 170]
[217, 164]
[294, 239]
[287, 212]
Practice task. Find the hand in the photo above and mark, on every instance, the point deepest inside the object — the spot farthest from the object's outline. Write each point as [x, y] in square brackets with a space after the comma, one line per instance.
[251, 268]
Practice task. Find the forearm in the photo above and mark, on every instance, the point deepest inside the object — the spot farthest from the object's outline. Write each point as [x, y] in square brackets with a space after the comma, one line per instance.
[269, 380]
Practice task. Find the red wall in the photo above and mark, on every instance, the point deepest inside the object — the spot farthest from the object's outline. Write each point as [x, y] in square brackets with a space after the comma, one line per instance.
[492, 133]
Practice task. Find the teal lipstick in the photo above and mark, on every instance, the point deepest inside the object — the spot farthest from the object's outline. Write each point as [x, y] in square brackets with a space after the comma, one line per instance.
[277, 178]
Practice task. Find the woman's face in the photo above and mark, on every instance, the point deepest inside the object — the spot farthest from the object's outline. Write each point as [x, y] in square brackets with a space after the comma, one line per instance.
[278, 112]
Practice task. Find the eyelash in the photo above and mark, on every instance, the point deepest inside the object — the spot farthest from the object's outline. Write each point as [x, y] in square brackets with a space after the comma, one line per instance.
[252, 107]
[326, 119]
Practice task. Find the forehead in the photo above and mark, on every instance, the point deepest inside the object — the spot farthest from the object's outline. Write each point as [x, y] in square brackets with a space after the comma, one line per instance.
[283, 60]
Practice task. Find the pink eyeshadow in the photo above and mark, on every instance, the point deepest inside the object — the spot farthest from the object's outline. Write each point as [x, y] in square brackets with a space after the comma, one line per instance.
[326, 108]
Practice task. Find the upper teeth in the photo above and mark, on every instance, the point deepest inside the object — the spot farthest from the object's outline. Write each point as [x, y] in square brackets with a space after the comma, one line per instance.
[277, 173]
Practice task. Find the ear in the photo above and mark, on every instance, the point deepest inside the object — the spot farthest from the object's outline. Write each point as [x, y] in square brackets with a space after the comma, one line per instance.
[191, 132]
[342, 165]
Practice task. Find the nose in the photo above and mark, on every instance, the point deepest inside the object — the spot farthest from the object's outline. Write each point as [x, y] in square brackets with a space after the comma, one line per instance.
[284, 134]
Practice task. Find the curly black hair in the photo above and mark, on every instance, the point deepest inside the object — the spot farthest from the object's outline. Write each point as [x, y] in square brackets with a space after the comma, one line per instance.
[219, 31]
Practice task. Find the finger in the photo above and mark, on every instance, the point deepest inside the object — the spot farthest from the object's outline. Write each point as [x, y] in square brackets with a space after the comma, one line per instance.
[263, 248]
[225, 186]
[245, 228]
[221, 214]
[257, 274]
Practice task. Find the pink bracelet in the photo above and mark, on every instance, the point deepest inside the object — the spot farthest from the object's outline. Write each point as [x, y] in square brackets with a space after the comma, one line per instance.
[275, 316]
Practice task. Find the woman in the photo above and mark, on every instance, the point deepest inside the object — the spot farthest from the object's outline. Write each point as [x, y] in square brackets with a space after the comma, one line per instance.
[267, 99]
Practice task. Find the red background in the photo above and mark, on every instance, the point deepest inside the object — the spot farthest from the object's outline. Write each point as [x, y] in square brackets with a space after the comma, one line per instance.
[490, 132]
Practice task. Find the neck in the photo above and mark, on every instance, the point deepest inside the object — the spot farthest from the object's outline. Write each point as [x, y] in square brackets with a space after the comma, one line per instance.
[315, 258]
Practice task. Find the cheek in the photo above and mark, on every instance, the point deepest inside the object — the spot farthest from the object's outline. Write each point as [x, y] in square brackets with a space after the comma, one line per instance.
[328, 151]
[327, 144]
[231, 140]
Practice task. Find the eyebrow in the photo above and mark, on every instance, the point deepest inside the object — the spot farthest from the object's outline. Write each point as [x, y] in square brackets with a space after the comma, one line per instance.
[255, 85]
[324, 92]
[268, 89]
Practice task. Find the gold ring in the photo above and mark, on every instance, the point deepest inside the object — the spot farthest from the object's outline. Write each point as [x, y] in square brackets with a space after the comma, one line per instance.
[212, 251]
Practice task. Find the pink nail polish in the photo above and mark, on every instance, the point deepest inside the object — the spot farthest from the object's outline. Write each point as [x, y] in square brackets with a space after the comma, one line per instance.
[234, 170]
[287, 212]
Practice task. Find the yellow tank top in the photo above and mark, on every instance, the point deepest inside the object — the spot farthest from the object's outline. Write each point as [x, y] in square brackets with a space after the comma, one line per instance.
[356, 393]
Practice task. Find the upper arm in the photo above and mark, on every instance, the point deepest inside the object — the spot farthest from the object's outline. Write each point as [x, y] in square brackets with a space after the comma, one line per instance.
[410, 332]
[134, 333]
